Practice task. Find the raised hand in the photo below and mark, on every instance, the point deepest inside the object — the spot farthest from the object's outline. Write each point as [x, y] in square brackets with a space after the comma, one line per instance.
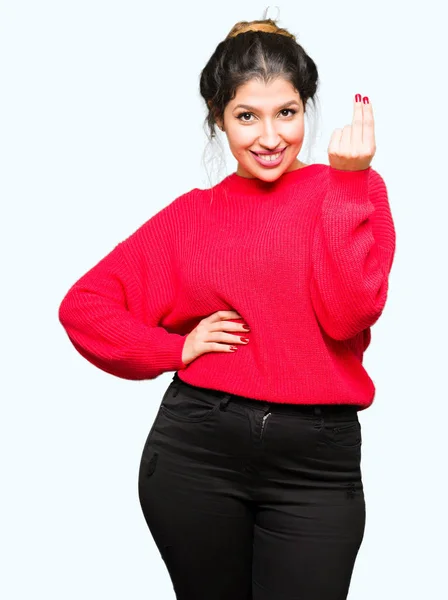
[353, 147]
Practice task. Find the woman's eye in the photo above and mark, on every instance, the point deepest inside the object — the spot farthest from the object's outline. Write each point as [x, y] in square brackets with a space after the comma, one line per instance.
[248, 114]
[244, 115]
[288, 110]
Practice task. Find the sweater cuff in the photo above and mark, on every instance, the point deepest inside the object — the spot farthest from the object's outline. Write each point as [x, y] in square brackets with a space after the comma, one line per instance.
[351, 185]
[173, 353]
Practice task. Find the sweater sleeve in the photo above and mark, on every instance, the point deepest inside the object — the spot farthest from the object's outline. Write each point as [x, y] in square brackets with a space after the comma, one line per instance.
[112, 313]
[352, 254]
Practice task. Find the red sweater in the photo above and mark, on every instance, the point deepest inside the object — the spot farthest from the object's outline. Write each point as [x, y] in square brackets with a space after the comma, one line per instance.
[304, 260]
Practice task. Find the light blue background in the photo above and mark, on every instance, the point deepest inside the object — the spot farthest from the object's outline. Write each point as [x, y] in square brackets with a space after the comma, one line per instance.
[101, 125]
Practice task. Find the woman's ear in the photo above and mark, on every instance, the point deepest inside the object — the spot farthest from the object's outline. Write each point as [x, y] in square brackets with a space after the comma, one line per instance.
[219, 122]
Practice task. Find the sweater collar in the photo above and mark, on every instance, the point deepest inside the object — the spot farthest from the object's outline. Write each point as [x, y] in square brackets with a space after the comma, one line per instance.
[245, 185]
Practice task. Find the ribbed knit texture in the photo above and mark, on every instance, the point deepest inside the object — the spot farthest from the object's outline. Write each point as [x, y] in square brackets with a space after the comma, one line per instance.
[304, 260]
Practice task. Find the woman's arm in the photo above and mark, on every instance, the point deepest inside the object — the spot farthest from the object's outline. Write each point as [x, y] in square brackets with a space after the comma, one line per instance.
[353, 251]
[112, 313]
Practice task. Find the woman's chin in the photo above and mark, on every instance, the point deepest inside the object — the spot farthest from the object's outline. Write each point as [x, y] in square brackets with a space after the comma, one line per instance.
[267, 175]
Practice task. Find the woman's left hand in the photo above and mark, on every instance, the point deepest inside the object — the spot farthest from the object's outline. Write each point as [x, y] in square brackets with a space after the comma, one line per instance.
[353, 147]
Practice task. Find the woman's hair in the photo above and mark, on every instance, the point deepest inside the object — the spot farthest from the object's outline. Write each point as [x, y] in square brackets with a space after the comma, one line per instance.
[254, 50]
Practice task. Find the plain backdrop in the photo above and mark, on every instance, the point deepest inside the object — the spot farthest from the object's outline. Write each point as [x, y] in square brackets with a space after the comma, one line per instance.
[101, 126]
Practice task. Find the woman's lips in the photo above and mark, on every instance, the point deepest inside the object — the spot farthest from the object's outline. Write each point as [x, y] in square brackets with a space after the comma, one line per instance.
[269, 162]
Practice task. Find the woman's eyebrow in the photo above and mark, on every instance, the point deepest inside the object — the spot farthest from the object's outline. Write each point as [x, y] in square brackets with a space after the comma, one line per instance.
[247, 107]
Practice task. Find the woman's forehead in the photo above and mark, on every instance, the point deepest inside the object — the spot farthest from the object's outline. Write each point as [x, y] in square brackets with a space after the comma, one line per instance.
[269, 95]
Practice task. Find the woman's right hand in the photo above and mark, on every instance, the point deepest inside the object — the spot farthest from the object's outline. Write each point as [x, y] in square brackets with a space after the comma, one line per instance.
[209, 335]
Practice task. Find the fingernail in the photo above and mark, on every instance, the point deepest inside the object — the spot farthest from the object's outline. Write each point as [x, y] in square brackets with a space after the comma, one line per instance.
[358, 98]
[233, 348]
[243, 339]
[366, 100]
[246, 327]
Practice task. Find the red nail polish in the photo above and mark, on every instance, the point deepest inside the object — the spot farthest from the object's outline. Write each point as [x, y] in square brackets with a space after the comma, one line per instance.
[358, 98]
[366, 100]
[233, 348]
[244, 339]
[246, 327]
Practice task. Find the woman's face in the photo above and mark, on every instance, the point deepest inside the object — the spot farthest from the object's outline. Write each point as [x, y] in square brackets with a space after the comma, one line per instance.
[265, 119]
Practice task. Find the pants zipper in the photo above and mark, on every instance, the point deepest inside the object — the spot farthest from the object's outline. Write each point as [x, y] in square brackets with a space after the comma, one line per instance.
[263, 423]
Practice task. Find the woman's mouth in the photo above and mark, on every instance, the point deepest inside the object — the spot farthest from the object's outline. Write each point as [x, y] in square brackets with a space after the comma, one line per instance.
[269, 160]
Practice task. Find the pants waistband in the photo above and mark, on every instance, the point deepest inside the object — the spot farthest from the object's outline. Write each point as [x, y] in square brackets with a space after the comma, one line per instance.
[264, 405]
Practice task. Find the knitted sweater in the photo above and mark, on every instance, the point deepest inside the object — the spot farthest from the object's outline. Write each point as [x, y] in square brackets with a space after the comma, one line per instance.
[304, 260]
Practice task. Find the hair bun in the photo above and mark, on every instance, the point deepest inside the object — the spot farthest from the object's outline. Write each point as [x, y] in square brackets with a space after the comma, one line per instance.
[266, 25]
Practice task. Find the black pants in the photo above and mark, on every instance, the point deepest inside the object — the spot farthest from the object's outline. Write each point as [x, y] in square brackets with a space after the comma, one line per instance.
[249, 500]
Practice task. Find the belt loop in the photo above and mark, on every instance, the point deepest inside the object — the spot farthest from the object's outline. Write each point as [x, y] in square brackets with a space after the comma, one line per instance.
[320, 423]
[175, 383]
[225, 401]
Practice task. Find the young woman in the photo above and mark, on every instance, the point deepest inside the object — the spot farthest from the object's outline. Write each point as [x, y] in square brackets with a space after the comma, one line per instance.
[260, 293]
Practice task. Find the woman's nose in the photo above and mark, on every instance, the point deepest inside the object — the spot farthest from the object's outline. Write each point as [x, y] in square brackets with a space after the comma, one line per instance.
[269, 138]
